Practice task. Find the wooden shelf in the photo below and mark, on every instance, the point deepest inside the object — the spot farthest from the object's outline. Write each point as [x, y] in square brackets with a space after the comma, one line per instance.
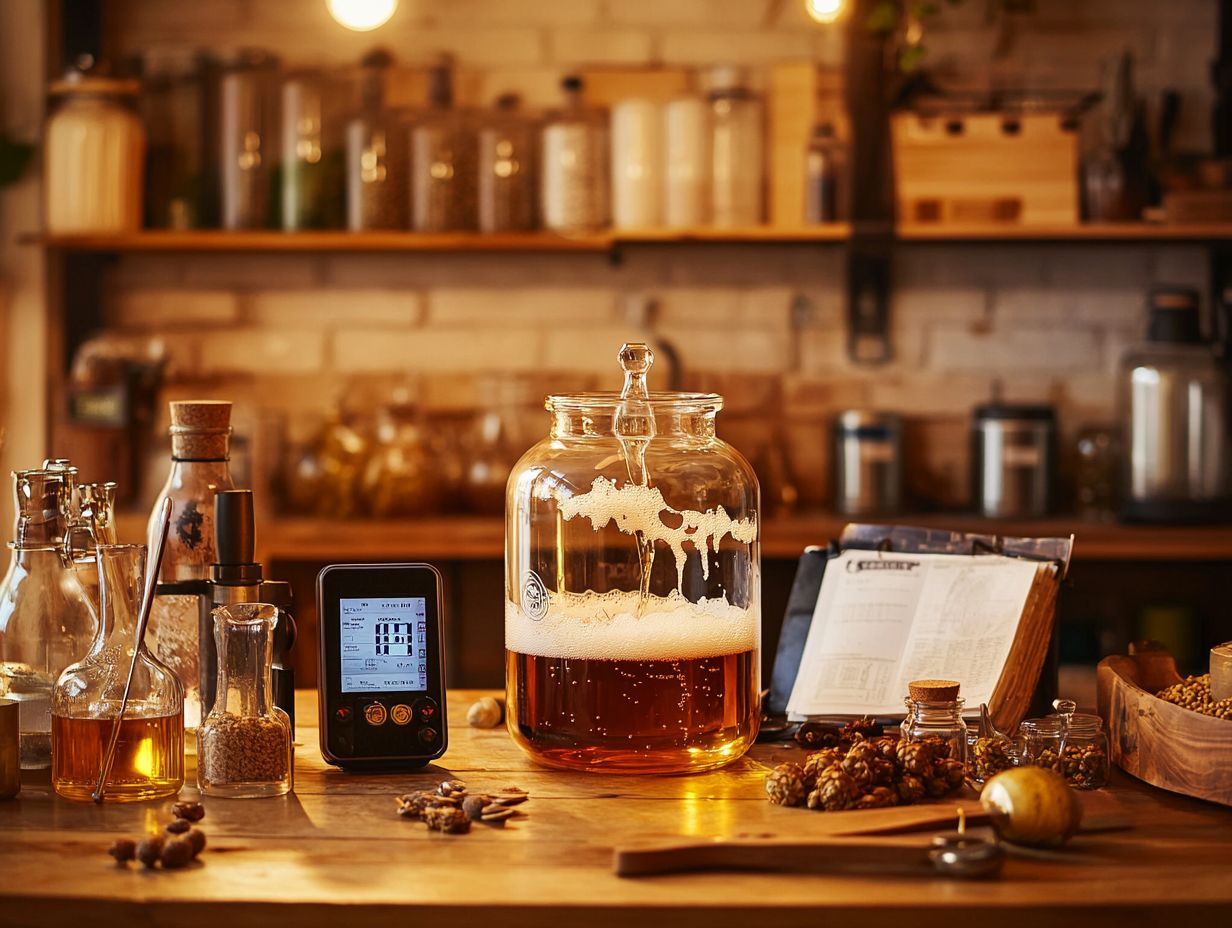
[216, 241]
[483, 537]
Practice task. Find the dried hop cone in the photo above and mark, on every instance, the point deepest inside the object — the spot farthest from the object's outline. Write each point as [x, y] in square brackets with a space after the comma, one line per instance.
[819, 761]
[835, 791]
[951, 771]
[883, 772]
[915, 757]
[940, 747]
[910, 789]
[886, 747]
[863, 729]
[879, 797]
[785, 785]
[859, 770]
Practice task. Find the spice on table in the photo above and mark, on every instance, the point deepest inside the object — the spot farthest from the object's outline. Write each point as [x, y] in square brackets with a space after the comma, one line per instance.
[176, 853]
[451, 808]
[1194, 693]
[196, 838]
[150, 850]
[449, 819]
[178, 826]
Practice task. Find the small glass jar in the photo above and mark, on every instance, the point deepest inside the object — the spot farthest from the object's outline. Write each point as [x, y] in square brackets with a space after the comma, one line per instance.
[1082, 751]
[988, 755]
[937, 720]
[244, 744]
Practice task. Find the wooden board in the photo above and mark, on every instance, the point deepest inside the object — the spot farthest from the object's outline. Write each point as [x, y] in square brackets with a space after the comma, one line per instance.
[335, 852]
[1162, 743]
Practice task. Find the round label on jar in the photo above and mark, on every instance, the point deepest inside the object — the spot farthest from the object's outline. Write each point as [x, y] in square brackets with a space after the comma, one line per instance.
[534, 596]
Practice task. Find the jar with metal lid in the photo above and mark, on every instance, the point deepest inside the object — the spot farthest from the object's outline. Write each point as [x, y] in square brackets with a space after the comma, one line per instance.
[95, 155]
[1078, 751]
[632, 584]
[1014, 460]
[934, 715]
[868, 466]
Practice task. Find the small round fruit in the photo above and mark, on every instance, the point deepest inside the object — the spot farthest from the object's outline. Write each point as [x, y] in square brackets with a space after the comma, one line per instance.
[1032, 806]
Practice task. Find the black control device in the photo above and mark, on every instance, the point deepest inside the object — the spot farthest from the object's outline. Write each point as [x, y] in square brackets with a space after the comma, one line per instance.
[381, 678]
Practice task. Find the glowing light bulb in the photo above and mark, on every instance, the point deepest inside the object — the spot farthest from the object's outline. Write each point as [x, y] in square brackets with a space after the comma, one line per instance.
[362, 15]
[824, 11]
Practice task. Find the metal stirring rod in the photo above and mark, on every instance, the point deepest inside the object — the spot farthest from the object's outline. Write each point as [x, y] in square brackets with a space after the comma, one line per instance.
[153, 567]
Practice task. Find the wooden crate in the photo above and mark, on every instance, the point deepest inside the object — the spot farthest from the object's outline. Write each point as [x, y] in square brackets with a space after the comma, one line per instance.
[985, 168]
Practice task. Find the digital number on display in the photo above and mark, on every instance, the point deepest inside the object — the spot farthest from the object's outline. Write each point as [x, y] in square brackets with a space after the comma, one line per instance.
[384, 645]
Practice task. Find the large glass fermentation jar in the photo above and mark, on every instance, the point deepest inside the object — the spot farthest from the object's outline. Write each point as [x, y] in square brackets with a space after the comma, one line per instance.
[632, 584]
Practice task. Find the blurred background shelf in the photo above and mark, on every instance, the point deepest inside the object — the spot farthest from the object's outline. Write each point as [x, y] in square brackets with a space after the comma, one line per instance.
[470, 538]
[272, 241]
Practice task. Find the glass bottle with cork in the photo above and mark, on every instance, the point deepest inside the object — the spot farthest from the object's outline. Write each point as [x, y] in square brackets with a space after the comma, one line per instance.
[934, 713]
[200, 446]
[86, 700]
[46, 618]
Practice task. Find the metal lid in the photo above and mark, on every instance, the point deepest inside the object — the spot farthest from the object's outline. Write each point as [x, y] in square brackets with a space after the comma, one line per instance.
[853, 419]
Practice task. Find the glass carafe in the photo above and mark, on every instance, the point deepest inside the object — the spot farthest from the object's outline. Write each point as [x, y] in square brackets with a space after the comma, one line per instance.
[47, 620]
[632, 578]
[149, 757]
[244, 744]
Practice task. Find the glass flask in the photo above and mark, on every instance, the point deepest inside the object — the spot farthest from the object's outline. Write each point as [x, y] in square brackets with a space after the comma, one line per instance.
[200, 445]
[47, 620]
[149, 758]
[244, 744]
[632, 585]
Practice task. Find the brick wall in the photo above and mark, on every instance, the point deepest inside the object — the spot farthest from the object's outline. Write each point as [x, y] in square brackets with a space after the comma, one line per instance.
[1045, 322]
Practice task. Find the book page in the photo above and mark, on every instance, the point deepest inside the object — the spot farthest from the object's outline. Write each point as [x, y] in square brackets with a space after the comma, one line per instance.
[885, 619]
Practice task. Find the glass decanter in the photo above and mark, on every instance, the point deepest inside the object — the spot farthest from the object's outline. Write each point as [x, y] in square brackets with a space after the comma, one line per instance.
[244, 744]
[47, 619]
[149, 757]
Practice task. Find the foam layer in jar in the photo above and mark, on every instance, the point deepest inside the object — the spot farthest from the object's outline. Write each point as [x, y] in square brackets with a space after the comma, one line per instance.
[594, 626]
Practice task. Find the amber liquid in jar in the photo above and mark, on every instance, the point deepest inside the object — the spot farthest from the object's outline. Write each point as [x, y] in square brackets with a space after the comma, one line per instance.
[149, 757]
[637, 716]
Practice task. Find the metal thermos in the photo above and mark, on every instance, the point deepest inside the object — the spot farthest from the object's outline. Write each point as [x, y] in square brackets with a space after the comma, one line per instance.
[1013, 460]
[868, 469]
[1175, 401]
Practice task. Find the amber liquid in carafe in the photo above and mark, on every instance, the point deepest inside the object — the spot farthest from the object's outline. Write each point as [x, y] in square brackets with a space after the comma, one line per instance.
[149, 757]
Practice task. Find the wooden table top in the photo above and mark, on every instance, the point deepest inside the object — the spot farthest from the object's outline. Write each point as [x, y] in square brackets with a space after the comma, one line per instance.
[336, 851]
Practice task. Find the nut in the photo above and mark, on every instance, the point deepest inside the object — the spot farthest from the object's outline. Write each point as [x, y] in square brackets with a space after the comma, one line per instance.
[196, 838]
[178, 827]
[150, 850]
[177, 853]
[192, 811]
[123, 850]
[451, 788]
[473, 806]
[486, 713]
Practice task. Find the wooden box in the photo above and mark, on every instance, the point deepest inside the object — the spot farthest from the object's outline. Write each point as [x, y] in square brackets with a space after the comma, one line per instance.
[979, 168]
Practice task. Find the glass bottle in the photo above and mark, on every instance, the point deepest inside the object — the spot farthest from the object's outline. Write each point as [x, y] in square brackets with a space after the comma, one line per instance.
[632, 578]
[200, 432]
[574, 181]
[377, 155]
[934, 712]
[825, 182]
[507, 170]
[442, 161]
[247, 146]
[149, 758]
[244, 744]
[313, 165]
[46, 618]
[737, 170]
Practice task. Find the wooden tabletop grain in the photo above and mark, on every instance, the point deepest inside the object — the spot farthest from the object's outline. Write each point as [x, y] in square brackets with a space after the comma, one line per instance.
[335, 853]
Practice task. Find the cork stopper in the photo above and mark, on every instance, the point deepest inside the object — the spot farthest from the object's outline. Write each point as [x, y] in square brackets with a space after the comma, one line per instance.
[933, 690]
[200, 430]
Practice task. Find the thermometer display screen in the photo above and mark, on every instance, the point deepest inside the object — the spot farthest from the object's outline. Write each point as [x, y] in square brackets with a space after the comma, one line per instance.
[384, 644]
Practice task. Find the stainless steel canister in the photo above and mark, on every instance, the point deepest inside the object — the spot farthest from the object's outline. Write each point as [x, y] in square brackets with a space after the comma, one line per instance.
[1013, 460]
[868, 470]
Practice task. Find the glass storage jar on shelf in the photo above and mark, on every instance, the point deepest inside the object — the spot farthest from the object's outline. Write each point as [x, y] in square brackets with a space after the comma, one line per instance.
[1077, 749]
[443, 172]
[574, 181]
[313, 163]
[244, 744]
[149, 756]
[378, 157]
[632, 583]
[247, 146]
[506, 176]
[47, 618]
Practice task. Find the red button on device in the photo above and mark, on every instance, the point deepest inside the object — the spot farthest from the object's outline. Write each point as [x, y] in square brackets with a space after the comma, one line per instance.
[343, 713]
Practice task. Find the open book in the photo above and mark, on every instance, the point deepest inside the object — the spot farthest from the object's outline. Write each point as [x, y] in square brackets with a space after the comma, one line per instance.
[885, 618]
